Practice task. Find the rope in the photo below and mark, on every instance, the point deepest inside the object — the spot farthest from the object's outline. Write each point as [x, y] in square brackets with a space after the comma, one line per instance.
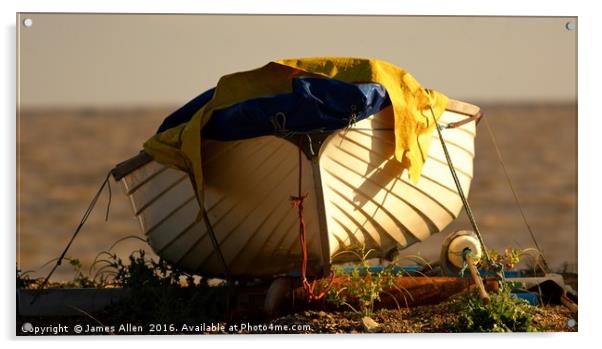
[460, 191]
[464, 253]
[516, 199]
[297, 202]
[216, 247]
[215, 243]
[76, 232]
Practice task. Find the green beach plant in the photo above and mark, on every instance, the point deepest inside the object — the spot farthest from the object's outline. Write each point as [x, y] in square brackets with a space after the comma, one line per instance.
[504, 313]
[360, 289]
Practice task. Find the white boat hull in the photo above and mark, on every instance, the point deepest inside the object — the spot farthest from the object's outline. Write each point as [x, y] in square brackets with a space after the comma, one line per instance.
[358, 195]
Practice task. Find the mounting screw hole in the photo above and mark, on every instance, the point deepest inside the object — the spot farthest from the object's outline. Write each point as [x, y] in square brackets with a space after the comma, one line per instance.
[570, 25]
[27, 22]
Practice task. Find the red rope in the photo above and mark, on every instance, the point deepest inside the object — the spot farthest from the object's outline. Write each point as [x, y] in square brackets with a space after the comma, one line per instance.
[297, 202]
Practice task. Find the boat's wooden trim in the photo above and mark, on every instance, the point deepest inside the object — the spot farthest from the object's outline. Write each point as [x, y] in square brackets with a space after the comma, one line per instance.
[462, 107]
[476, 118]
[128, 166]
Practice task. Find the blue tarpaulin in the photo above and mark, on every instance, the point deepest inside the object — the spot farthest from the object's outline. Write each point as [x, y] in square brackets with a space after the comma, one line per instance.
[314, 105]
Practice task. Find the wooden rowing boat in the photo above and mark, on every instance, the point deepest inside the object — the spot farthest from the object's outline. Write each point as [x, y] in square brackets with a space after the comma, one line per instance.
[358, 195]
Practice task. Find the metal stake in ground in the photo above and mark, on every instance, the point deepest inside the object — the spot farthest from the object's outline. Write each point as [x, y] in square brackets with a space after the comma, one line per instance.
[483, 295]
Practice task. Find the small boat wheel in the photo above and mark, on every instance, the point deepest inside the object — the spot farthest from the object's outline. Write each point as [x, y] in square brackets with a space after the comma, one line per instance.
[279, 292]
[453, 248]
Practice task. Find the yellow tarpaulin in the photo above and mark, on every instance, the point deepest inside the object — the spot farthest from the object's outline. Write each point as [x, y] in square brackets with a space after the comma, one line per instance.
[180, 147]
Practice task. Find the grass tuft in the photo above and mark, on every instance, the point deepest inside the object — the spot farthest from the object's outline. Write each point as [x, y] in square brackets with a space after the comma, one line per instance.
[504, 313]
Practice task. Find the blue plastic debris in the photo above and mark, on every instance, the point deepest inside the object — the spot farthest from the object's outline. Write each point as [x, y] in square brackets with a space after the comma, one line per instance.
[530, 297]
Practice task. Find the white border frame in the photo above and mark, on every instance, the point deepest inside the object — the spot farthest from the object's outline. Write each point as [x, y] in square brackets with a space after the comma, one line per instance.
[588, 133]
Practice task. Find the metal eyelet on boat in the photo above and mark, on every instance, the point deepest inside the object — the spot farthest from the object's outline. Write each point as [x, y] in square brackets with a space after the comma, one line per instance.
[279, 122]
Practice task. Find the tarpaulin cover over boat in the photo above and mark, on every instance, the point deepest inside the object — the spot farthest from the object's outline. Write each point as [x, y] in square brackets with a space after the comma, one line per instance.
[180, 145]
[212, 189]
[314, 105]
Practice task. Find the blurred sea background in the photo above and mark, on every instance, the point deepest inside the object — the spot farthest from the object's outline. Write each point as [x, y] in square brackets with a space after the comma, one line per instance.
[93, 88]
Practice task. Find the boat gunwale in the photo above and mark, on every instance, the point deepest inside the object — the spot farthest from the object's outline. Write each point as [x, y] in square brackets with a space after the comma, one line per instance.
[460, 107]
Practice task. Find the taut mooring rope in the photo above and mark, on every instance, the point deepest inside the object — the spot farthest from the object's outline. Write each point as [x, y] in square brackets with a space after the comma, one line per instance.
[465, 203]
[216, 246]
[516, 199]
[76, 232]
